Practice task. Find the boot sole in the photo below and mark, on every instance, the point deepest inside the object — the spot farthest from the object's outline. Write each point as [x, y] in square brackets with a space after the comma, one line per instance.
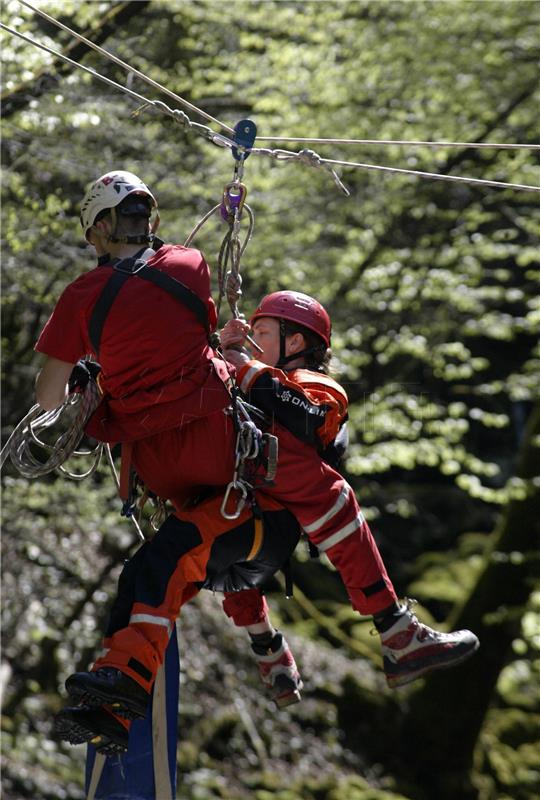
[94, 698]
[395, 681]
[288, 691]
[77, 733]
[288, 700]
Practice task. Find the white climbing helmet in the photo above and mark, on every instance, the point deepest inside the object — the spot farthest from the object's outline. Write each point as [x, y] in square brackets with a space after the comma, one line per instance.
[108, 191]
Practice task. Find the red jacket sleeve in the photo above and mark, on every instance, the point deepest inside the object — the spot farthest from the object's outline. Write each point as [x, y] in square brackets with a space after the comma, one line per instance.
[62, 337]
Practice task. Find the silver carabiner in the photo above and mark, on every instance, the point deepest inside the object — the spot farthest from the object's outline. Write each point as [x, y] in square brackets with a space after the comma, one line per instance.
[241, 500]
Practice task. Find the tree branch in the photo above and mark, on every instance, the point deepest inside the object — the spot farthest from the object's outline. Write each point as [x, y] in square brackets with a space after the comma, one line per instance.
[118, 15]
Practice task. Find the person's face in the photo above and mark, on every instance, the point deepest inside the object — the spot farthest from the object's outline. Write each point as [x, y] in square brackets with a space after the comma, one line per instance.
[265, 332]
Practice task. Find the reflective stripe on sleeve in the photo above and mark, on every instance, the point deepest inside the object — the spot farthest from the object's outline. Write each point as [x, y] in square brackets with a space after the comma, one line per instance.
[250, 375]
[338, 505]
[341, 534]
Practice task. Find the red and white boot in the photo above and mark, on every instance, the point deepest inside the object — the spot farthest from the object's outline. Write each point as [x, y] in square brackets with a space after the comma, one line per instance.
[412, 649]
[278, 670]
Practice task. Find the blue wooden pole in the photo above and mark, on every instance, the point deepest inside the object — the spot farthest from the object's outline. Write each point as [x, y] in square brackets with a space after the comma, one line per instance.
[148, 770]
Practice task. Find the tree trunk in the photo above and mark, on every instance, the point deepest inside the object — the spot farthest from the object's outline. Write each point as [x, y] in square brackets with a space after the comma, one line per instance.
[446, 716]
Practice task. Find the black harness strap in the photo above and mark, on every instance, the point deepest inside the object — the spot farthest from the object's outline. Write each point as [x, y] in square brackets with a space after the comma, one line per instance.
[178, 290]
[102, 307]
[127, 268]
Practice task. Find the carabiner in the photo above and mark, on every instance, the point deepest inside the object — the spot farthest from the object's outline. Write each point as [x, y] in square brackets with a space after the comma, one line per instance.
[234, 195]
[241, 500]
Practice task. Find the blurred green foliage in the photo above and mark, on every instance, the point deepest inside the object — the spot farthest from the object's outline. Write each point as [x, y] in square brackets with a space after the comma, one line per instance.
[432, 286]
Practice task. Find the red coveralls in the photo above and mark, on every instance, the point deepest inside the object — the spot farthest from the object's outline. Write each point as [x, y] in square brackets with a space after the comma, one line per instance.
[309, 404]
[166, 394]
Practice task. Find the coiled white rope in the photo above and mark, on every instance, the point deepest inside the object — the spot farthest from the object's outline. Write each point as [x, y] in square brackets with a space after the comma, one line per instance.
[26, 436]
[24, 439]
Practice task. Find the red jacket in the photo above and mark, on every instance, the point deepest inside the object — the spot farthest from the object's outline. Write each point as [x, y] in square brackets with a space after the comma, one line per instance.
[158, 371]
[313, 406]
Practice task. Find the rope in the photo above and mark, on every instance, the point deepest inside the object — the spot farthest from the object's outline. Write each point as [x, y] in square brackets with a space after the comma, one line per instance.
[127, 67]
[19, 445]
[116, 479]
[231, 251]
[200, 224]
[176, 114]
[314, 160]
[479, 145]
[304, 156]
[230, 282]
[73, 63]
[435, 176]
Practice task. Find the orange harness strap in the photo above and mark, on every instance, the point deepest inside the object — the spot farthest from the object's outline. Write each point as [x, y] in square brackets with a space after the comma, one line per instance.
[258, 534]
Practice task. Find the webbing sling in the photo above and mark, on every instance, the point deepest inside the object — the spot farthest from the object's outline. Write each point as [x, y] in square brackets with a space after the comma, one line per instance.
[137, 266]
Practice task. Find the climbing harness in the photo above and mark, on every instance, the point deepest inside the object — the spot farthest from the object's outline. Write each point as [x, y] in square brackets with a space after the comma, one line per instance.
[250, 446]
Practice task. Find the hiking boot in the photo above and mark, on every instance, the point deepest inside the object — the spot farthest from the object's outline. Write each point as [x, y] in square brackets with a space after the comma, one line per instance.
[97, 726]
[278, 671]
[411, 649]
[107, 685]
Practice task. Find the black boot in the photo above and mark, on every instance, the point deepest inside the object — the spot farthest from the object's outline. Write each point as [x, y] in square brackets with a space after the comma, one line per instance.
[94, 725]
[108, 685]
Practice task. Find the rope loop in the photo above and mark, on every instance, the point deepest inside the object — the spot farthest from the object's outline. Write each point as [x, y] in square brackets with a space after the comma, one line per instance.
[19, 445]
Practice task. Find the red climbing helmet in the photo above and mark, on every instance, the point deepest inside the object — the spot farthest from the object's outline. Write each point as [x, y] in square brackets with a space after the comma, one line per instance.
[296, 307]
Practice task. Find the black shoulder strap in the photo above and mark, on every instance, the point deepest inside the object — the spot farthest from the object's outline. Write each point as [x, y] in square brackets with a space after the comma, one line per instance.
[127, 268]
[102, 307]
[178, 290]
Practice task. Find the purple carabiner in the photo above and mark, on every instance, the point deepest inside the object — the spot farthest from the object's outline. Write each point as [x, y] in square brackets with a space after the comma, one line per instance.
[234, 195]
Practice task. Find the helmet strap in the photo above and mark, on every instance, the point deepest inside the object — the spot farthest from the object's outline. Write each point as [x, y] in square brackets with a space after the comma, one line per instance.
[284, 359]
[142, 238]
[308, 351]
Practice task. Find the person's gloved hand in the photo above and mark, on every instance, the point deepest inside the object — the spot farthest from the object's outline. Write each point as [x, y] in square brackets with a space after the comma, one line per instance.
[81, 374]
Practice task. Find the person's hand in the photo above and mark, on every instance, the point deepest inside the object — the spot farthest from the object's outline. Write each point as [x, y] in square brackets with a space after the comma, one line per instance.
[81, 374]
[236, 357]
[233, 335]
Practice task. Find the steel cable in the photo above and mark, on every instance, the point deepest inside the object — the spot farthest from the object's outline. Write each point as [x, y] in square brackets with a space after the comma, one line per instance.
[126, 67]
[305, 156]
